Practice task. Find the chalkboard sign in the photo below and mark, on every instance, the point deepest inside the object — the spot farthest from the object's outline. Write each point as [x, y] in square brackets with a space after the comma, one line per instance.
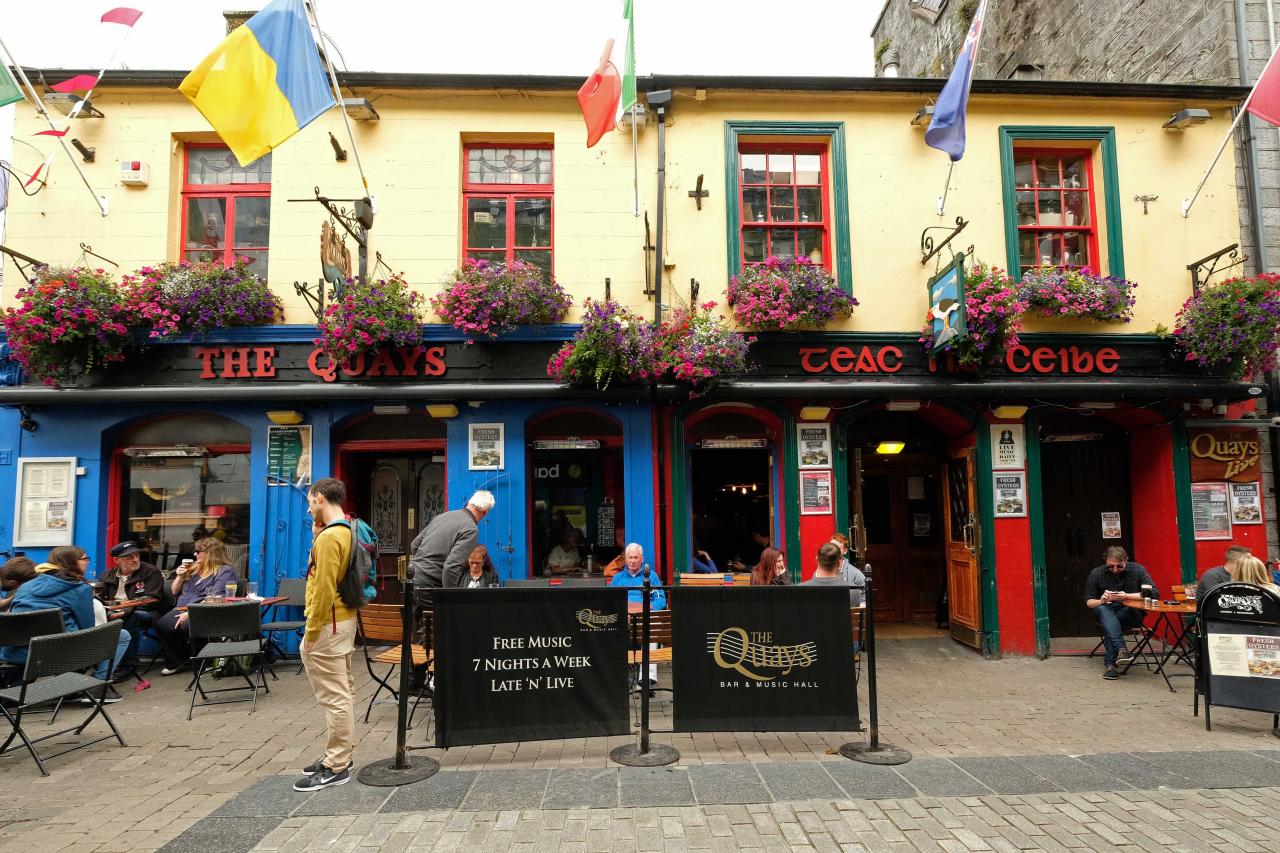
[1240, 648]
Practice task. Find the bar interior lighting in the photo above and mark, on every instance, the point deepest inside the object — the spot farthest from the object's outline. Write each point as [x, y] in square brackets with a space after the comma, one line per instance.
[814, 413]
[890, 448]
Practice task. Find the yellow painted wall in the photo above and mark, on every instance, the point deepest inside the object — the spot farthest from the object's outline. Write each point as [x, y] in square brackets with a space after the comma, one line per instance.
[413, 159]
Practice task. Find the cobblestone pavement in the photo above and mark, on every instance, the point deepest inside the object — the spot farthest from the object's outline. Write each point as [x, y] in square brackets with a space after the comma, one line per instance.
[938, 700]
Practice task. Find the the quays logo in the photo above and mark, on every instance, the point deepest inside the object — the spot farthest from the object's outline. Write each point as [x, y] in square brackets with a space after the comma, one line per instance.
[595, 620]
[1240, 603]
[755, 655]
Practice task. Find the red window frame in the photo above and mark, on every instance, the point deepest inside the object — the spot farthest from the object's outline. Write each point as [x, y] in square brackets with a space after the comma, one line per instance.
[509, 193]
[230, 192]
[770, 224]
[1059, 230]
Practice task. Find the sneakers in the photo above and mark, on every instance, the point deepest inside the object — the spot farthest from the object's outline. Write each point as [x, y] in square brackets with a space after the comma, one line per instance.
[110, 698]
[171, 670]
[322, 778]
[1125, 656]
[318, 765]
[1111, 674]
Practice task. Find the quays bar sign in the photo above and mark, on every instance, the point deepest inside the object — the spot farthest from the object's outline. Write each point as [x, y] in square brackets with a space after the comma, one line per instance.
[1224, 454]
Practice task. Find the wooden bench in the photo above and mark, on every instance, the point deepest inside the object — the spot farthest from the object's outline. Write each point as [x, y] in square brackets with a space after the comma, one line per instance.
[691, 579]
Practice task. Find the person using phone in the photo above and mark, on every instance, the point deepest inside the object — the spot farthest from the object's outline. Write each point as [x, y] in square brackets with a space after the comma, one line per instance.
[1107, 589]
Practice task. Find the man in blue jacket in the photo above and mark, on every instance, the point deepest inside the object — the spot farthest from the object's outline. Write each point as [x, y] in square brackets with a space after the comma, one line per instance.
[632, 575]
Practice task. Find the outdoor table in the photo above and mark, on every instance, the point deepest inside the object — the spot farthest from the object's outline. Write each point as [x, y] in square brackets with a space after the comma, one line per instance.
[118, 609]
[1178, 628]
[264, 603]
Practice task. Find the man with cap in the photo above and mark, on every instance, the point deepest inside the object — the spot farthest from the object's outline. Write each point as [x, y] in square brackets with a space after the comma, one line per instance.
[131, 578]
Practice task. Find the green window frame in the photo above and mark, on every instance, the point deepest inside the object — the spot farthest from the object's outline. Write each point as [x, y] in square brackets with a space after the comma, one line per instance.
[833, 132]
[1105, 138]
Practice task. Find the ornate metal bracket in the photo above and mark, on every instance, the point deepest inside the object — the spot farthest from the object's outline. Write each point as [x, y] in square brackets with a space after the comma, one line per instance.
[699, 193]
[314, 294]
[86, 252]
[356, 221]
[25, 263]
[927, 248]
[1210, 265]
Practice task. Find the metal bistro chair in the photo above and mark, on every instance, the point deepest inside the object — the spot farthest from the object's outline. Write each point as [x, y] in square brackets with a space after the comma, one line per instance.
[296, 589]
[233, 630]
[54, 672]
[379, 625]
[17, 629]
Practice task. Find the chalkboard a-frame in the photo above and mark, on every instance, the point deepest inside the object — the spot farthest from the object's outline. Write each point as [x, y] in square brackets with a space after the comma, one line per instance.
[1240, 649]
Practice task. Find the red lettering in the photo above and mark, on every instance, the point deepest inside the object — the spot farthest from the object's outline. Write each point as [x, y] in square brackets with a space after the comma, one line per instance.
[1111, 359]
[1013, 354]
[806, 359]
[235, 363]
[206, 354]
[264, 362]
[882, 359]
[866, 364]
[435, 365]
[1042, 360]
[842, 359]
[409, 359]
[353, 366]
[1081, 361]
[329, 372]
[383, 365]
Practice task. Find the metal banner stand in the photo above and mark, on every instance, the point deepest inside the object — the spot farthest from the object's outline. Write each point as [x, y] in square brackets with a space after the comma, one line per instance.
[644, 754]
[390, 772]
[874, 752]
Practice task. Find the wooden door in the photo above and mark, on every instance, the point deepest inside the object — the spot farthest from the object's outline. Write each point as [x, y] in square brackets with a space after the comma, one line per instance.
[964, 588]
[1082, 479]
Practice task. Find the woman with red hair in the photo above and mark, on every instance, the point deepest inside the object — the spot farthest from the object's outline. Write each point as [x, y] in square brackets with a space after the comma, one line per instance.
[771, 570]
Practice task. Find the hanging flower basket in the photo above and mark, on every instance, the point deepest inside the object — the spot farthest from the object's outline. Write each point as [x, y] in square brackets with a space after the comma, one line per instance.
[699, 349]
[369, 316]
[1051, 292]
[787, 294]
[195, 298]
[614, 345]
[486, 299]
[1233, 325]
[70, 323]
[993, 316]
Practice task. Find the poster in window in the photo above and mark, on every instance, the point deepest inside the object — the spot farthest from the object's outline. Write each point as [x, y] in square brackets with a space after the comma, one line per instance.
[1011, 495]
[1210, 511]
[1246, 503]
[1111, 525]
[921, 525]
[44, 513]
[815, 492]
[1008, 447]
[485, 448]
[815, 445]
[288, 455]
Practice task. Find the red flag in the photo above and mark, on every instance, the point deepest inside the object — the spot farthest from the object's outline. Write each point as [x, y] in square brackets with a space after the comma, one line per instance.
[122, 15]
[34, 175]
[599, 98]
[1264, 100]
[78, 83]
[51, 132]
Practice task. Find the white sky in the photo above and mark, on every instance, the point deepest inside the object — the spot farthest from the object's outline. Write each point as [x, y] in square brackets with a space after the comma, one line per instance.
[714, 37]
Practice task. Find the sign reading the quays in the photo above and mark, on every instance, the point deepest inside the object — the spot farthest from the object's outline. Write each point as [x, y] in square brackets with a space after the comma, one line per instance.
[1224, 454]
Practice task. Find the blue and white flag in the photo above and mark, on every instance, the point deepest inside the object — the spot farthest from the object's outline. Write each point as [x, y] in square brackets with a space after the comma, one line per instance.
[946, 131]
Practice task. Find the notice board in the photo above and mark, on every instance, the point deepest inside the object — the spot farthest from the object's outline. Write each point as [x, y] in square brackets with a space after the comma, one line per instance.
[1240, 648]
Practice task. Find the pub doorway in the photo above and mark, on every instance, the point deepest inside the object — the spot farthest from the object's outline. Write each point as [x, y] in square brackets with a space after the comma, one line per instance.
[394, 470]
[732, 485]
[1084, 463]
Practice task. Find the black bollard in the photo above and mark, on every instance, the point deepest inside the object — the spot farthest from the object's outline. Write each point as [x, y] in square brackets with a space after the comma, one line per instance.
[390, 772]
[874, 752]
[645, 754]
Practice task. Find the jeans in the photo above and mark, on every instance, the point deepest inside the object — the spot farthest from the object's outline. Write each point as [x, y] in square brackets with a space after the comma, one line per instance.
[122, 646]
[137, 622]
[1114, 619]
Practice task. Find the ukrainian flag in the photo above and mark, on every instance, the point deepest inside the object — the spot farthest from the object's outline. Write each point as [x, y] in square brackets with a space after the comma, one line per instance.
[264, 83]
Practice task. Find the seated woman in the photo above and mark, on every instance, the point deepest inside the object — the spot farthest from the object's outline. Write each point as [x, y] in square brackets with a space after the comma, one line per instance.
[1250, 569]
[771, 570]
[63, 587]
[480, 571]
[13, 574]
[565, 557]
[192, 584]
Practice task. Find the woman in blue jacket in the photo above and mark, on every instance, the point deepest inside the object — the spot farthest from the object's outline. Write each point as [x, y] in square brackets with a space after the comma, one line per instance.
[62, 586]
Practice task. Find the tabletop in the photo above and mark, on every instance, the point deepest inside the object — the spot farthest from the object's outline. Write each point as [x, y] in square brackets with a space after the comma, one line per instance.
[262, 602]
[1183, 607]
[116, 609]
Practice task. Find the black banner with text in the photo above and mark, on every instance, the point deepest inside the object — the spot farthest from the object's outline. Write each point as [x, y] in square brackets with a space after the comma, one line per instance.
[763, 659]
[530, 664]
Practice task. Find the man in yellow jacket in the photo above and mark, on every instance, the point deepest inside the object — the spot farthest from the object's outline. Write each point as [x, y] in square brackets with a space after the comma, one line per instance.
[329, 641]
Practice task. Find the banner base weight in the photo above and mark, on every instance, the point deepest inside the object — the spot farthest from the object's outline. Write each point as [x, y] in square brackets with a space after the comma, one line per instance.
[657, 756]
[886, 754]
[383, 774]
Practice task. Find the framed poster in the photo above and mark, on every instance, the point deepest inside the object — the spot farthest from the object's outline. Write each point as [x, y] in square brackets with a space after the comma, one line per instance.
[1246, 503]
[486, 450]
[815, 445]
[1210, 511]
[44, 514]
[1011, 495]
[288, 455]
[1111, 528]
[815, 492]
[1008, 447]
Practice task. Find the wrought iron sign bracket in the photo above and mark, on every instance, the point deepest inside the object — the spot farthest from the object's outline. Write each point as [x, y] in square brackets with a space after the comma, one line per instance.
[86, 252]
[25, 263]
[356, 221]
[1210, 265]
[928, 249]
[314, 294]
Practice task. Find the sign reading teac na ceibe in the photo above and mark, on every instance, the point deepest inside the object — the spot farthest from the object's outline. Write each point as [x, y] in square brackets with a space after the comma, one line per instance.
[530, 664]
[763, 659]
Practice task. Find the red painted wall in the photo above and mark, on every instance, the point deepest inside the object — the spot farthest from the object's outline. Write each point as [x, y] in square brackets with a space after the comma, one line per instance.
[815, 531]
[1015, 591]
[1154, 505]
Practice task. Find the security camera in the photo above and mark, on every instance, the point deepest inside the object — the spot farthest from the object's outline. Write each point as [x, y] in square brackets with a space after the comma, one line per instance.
[1275, 420]
[29, 425]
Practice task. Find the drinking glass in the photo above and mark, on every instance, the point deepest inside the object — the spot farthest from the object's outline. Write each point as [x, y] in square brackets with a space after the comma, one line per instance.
[1190, 590]
[231, 590]
[251, 589]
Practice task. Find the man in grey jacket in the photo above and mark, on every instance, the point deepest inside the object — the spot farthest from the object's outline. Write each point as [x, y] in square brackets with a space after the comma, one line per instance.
[440, 551]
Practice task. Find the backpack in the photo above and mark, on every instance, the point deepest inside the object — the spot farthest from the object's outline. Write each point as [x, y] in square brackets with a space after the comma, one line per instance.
[359, 584]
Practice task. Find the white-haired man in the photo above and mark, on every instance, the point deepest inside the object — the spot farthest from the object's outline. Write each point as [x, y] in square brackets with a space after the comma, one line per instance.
[633, 576]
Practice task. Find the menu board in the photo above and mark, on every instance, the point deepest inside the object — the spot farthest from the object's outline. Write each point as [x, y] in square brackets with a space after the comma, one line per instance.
[815, 492]
[288, 455]
[1245, 655]
[1210, 511]
[606, 522]
[44, 514]
[1246, 503]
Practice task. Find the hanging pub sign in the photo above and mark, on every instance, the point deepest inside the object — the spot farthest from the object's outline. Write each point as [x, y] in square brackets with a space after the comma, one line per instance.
[946, 304]
[530, 664]
[1222, 453]
[759, 659]
[1240, 648]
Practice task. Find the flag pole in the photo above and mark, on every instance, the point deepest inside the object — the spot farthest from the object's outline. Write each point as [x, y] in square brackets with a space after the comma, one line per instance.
[337, 94]
[946, 187]
[101, 201]
[981, 15]
[635, 162]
